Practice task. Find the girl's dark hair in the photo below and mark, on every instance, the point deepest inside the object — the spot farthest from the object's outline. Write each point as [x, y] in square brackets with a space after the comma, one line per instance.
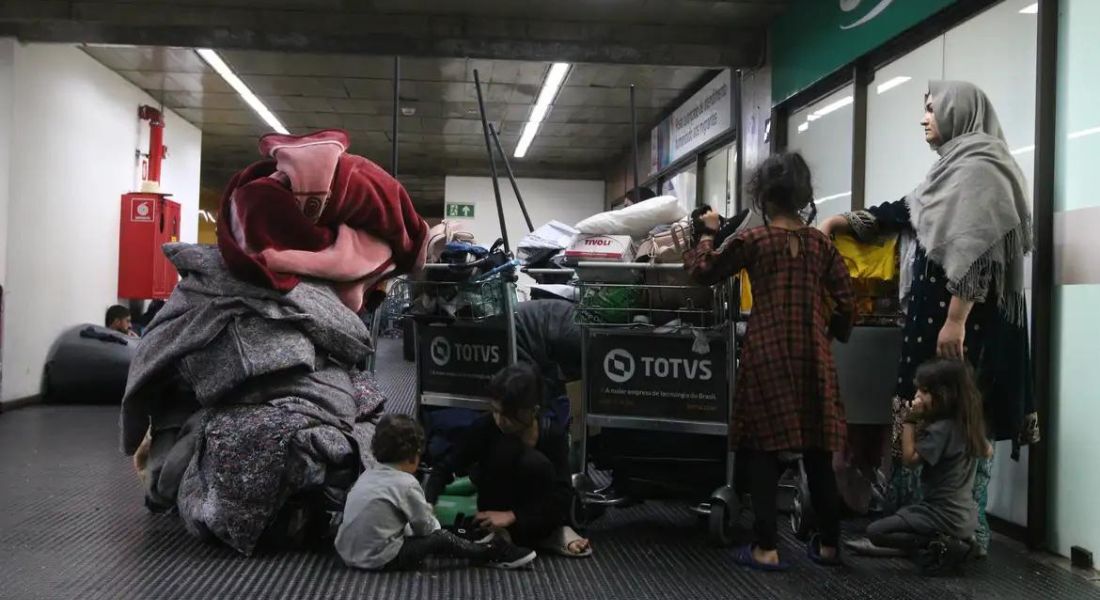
[784, 181]
[955, 396]
[398, 438]
[517, 390]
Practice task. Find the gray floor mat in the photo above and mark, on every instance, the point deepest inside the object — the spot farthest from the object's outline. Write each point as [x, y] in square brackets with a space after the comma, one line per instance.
[72, 525]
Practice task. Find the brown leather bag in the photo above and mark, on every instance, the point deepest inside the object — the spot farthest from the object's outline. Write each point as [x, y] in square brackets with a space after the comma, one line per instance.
[668, 247]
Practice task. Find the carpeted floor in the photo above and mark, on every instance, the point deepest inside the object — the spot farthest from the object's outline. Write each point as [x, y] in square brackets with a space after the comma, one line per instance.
[72, 525]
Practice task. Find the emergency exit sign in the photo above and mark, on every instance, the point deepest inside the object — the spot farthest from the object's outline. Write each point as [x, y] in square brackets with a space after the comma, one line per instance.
[460, 211]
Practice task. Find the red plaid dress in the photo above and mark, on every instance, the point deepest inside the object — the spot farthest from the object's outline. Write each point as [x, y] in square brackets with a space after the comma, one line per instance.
[787, 397]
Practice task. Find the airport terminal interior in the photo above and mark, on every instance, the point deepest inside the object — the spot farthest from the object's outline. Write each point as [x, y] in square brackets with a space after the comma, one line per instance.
[499, 299]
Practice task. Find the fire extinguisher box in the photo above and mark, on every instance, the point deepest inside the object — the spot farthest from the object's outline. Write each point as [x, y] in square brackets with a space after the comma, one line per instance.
[148, 221]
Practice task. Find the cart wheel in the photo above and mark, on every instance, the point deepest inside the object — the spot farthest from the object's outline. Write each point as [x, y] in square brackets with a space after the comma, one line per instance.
[803, 519]
[581, 514]
[720, 522]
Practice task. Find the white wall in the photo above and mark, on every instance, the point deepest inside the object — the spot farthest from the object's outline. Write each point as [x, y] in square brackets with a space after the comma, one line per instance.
[74, 134]
[7, 97]
[565, 200]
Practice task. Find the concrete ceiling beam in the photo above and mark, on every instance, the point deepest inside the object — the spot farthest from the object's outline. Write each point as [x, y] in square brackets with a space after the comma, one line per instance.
[359, 32]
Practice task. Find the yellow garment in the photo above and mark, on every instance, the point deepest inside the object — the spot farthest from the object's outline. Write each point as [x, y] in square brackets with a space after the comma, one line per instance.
[746, 292]
[869, 261]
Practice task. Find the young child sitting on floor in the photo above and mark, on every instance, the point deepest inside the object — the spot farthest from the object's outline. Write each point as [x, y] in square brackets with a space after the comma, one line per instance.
[519, 462]
[944, 435]
[388, 525]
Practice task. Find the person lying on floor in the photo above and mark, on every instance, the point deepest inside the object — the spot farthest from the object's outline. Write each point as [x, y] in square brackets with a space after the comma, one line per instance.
[388, 525]
[519, 462]
[944, 435]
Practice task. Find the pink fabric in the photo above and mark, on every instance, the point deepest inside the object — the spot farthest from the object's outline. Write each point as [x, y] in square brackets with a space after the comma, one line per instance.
[318, 211]
[309, 161]
[357, 261]
[355, 255]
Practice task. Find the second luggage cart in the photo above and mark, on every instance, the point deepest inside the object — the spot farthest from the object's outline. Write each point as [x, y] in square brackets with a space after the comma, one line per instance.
[659, 354]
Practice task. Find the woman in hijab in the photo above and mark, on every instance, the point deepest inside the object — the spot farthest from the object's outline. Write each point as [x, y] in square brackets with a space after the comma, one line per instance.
[962, 276]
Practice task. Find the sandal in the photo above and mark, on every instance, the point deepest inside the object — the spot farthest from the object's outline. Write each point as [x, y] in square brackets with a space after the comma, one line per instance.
[813, 550]
[743, 556]
[560, 541]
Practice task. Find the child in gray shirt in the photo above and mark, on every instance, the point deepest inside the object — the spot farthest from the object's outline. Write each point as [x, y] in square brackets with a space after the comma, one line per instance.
[388, 524]
[945, 436]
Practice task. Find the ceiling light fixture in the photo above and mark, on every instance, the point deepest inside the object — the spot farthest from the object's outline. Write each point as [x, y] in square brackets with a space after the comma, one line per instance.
[555, 77]
[803, 127]
[235, 82]
[1031, 9]
[893, 83]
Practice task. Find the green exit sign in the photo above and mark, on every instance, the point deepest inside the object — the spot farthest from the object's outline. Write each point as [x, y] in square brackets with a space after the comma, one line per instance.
[461, 211]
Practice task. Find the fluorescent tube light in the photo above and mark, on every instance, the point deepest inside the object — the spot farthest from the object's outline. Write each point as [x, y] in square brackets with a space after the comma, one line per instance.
[1031, 9]
[893, 83]
[803, 127]
[1023, 150]
[235, 82]
[550, 87]
[528, 136]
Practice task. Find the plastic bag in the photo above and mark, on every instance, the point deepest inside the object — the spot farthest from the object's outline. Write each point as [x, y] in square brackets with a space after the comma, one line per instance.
[554, 235]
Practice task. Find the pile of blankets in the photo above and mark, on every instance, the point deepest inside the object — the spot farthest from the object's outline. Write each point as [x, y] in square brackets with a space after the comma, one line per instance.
[247, 400]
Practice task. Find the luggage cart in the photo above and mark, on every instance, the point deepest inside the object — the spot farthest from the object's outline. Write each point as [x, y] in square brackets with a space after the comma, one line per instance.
[465, 335]
[659, 354]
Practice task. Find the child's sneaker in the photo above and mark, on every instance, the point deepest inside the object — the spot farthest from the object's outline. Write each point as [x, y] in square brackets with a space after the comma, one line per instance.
[503, 555]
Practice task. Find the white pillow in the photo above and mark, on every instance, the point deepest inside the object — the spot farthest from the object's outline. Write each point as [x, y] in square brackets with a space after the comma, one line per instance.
[636, 220]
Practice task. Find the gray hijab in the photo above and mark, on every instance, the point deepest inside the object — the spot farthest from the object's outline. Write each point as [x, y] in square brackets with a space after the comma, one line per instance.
[971, 212]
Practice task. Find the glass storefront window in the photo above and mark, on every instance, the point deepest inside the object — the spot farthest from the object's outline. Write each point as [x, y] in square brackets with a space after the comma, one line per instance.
[719, 179]
[822, 133]
[682, 185]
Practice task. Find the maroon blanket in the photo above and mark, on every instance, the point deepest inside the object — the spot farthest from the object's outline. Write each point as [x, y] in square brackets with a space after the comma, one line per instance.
[276, 225]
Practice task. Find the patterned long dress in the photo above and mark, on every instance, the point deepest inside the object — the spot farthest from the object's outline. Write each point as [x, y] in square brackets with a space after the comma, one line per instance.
[997, 348]
[787, 397]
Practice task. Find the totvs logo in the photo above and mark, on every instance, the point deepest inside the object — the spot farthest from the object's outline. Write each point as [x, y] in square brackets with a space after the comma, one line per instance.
[442, 351]
[620, 366]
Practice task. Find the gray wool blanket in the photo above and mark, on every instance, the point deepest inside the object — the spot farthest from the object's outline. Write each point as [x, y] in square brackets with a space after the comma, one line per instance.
[252, 396]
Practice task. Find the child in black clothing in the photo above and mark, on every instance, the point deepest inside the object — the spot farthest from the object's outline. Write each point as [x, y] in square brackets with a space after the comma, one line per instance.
[945, 435]
[388, 525]
[520, 465]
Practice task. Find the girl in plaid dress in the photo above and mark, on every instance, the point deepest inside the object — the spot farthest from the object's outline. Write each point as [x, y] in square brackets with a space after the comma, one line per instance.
[787, 396]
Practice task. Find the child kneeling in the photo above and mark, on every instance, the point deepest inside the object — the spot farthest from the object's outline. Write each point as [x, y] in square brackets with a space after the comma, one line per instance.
[944, 434]
[388, 524]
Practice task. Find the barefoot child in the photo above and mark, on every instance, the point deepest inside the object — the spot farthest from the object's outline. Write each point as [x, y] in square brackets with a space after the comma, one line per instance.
[387, 522]
[787, 397]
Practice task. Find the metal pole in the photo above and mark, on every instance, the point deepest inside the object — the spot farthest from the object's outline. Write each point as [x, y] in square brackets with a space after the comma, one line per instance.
[511, 177]
[396, 112]
[634, 139]
[492, 162]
